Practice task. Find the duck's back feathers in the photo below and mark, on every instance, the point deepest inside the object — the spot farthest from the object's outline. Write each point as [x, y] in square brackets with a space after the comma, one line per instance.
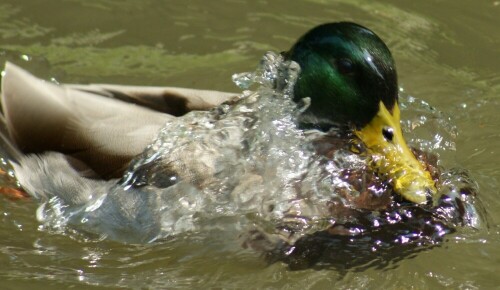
[104, 126]
[171, 100]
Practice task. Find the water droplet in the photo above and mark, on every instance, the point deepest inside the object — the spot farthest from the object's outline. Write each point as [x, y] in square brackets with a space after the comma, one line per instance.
[25, 57]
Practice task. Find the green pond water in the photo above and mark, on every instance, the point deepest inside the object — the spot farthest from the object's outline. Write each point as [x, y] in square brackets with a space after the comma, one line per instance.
[447, 53]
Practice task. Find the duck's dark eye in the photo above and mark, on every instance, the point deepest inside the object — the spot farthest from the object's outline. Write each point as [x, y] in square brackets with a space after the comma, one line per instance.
[345, 66]
[388, 133]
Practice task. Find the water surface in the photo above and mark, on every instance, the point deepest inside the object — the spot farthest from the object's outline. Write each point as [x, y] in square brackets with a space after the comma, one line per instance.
[446, 52]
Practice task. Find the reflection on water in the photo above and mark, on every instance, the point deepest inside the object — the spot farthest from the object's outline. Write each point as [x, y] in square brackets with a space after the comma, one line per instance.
[201, 45]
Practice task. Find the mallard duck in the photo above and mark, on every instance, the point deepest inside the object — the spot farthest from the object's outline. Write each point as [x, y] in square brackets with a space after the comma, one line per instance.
[347, 73]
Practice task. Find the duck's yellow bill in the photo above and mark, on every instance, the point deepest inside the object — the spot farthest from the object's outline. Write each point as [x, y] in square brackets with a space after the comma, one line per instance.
[392, 158]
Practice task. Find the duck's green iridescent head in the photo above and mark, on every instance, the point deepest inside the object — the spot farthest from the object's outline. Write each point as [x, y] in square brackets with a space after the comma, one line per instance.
[346, 70]
[349, 76]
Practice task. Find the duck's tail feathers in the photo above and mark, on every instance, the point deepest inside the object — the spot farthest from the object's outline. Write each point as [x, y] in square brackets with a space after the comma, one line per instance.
[53, 174]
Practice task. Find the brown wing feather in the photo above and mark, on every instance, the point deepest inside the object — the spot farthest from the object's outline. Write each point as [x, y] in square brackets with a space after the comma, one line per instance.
[171, 100]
